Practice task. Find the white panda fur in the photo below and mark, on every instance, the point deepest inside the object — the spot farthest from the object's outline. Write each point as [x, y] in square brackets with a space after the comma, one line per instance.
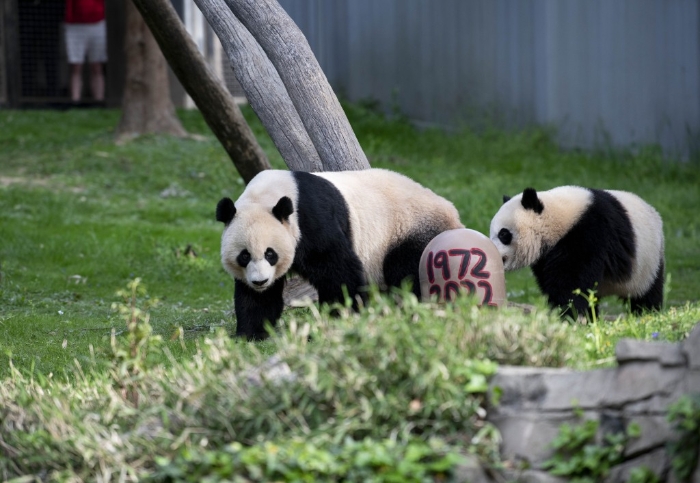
[573, 237]
[345, 229]
[385, 207]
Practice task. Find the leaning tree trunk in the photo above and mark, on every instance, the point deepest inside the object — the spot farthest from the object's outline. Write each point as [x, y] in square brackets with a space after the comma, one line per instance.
[207, 91]
[286, 48]
[146, 106]
[263, 87]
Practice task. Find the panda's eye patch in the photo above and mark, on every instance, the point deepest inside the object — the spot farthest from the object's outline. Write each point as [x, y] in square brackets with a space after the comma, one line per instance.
[271, 256]
[505, 236]
[243, 258]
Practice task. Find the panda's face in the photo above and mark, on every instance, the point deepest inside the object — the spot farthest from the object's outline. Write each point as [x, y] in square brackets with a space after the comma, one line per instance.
[514, 231]
[258, 248]
[528, 225]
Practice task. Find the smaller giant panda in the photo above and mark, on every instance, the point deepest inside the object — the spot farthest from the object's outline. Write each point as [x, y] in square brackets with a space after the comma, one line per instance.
[579, 238]
[336, 229]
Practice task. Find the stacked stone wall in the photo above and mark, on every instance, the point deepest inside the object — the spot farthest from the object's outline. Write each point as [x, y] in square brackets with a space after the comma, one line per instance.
[649, 376]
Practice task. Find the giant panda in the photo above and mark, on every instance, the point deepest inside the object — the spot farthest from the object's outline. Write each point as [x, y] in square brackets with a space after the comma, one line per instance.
[580, 238]
[339, 230]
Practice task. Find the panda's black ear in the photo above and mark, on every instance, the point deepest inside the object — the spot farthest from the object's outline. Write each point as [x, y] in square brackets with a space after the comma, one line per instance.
[530, 201]
[283, 209]
[225, 211]
[506, 199]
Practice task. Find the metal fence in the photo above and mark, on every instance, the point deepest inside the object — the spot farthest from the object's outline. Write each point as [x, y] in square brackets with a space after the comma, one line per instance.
[34, 68]
[3, 70]
[604, 73]
[43, 64]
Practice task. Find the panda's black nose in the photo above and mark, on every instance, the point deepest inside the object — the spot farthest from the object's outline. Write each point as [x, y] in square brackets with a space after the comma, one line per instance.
[260, 283]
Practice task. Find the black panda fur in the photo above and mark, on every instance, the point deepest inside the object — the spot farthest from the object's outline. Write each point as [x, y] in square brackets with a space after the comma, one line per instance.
[598, 243]
[322, 235]
[325, 250]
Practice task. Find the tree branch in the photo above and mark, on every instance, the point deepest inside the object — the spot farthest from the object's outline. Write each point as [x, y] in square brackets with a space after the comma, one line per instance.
[207, 91]
[263, 87]
[319, 109]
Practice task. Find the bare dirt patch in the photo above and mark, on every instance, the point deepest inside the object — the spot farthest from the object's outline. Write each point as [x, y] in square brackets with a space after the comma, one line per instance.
[48, 183]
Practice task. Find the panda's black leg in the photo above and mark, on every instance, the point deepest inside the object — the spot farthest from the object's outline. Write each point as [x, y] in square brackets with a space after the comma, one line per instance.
[402, 262]
[344, 269]
[574, 305]
[578, 307]
[254, 308]
[559, 280]
[560, 294]
[653, 299]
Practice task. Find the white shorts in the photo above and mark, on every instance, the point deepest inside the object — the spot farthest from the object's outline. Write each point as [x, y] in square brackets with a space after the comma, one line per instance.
[86, 39]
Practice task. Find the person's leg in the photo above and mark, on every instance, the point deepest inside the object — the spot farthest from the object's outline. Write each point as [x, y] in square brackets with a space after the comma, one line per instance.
[97, 81]
[76, 81]
[97, 56]
[76, 46]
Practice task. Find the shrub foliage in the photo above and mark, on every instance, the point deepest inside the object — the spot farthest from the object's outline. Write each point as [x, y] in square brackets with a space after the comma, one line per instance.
[404, 378]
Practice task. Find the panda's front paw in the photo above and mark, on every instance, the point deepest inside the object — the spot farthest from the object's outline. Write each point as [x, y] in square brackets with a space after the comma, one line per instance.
[253, 336]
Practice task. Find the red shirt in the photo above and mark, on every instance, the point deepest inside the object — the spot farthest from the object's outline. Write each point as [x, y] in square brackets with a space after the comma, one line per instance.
[85, 11]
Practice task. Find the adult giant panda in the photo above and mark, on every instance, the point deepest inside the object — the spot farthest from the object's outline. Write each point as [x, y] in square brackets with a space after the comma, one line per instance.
[579, 238]
[336, 229]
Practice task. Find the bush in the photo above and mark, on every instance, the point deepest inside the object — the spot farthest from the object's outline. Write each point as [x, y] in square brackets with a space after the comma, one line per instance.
[401, 376]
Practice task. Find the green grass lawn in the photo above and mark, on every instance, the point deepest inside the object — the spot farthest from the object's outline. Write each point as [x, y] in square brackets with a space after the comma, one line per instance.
[81, 216]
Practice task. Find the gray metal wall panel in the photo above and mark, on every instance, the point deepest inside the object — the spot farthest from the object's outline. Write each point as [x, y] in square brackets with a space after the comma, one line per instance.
[604, 72]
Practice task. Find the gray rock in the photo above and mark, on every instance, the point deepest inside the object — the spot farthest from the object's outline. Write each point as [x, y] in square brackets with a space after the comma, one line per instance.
[667, 354]
[527, 436]
[274, 370]
[640, 380]
[655, 405]
[584, 390]
[657, 461]
[470, 471]
[519, 387]
[558, 390]
[298, 292]
[691, 382]
[536, 402]
[655, 431]
[550, 389]
[691, 347]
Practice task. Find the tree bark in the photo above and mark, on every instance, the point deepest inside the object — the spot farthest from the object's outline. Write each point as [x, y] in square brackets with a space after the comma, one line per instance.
[207, 91]
[315, 102]
[263, 87]
[146, 107]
